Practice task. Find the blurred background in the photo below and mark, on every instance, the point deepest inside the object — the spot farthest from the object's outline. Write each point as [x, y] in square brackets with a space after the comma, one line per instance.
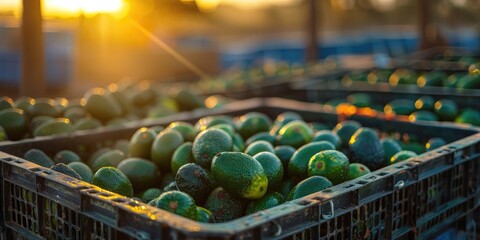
[91, 43]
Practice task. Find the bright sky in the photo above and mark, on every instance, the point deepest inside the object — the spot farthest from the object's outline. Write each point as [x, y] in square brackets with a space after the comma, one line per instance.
[72, 8]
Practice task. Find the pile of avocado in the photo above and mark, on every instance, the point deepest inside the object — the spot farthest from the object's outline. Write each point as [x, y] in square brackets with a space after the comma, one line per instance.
[111, 107]
[244, 79]
[425, 108]
[469, 79]
[222, 168]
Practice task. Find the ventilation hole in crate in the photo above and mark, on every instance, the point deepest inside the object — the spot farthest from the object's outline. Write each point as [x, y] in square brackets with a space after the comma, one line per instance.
[119, 200]
[382, 173]
[18, 161]
[104, 194]
[323, 229]
[362, 182]
[372, 177]
[83, 187]
[349, 186]
[8, 159]
[133, 204]
[48, 172]
[92, 191]
[355, 215]
[331, 226]
[36, 169]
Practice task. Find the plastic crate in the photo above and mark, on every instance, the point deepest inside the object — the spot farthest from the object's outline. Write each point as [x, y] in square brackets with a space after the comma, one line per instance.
[321, 90]
[418, 198]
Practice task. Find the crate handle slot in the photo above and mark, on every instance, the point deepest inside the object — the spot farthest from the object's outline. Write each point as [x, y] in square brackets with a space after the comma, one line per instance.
[332, 211]
[400, 184]
[279, 229]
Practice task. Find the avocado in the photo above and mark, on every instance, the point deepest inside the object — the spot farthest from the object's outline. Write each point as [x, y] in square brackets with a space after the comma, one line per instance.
[122, 145]
[265, 136]
[357, 170]
[282, 119]
[391, 147]
[360, 100]
[184, 128]
[432, 78]
[295, 133]
[225, 206]
[298, 165]
[270, 200]
[238, 143]
[285, 186]
[422, 116]
[87, 123]
[284, 153]
[172, 186]
[259, 146]
[414, 147]
[329, 136]
[194, 180]
[62, 168]
[110, 158]
[187, 100]
[345, 130]
[112, 179]
[150, 194]
[23, 103]
[163, 148]
[38, 157]
[366, 148]
[102, 105]
[141, 143]
[332, 164]
[469, 116]
[182, 156]
[14, 122]
[434, 143]
[403, 76]
[204, 215]
[272, 166]
[66, 157]
[240, 174]
[229, 129]
[6, 102]
[206, 122]
[400, 107]
[83, 170]
[43, 107]
[96, 154]
[401, 156]
[252, 123]
[179, 203]
[308, 186]
[3, 134]
[58, 126]
[142, 173]
[75, 114]
[38, 121]
[446, 109]
[209, 143]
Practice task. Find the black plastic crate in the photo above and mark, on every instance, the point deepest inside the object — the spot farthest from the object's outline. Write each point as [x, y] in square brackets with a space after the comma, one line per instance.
[322, 90]
[419, 198]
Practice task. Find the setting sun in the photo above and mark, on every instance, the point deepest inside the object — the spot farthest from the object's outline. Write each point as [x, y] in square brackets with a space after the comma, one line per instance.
[72, 8]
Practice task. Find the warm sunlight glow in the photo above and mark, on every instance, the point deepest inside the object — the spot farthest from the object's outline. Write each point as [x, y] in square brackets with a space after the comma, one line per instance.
[71, 8]
[211, 5]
